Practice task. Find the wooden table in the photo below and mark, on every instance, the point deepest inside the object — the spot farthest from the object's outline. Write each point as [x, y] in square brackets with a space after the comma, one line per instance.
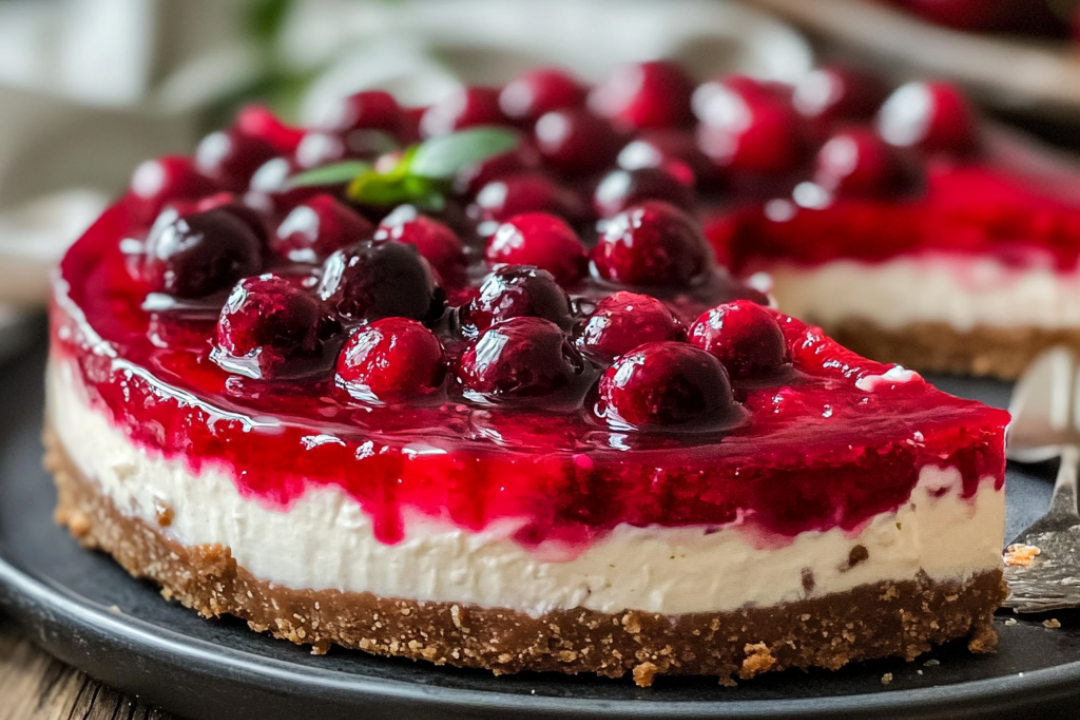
[35, 686]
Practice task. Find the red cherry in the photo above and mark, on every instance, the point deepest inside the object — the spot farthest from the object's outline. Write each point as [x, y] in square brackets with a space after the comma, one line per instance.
[517, 291]
[317, 228]
[622, 188]
[835, 92]
[366, 110]
[271, 187]
[390, 360]
[624, 320]
[542, 240]
[372, 280]
[521, 160]
[644, 95]
[575, 142]
[231, 157]
[519, 358]
[748, 127]
[166, 179]
[512, 195]
[665, 384]
[538, 91]
[197, 255]
[858, 162]
[437, 243]
[464, 108]
[932, 116]
[673, 150]
[652, 244]
[257, 121]
[271, 328]
[744, 336]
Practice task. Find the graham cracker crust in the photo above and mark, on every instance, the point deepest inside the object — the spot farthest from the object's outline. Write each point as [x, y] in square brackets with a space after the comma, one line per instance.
[940, 348]
[902, 619]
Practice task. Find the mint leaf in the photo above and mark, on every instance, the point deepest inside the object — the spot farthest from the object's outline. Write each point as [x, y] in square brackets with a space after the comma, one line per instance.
[441, 158]
[390, 189]
[335, 174]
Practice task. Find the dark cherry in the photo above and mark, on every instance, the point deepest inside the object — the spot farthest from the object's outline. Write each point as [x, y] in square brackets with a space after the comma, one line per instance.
[624, 320]
[517, 291]
[644, 95]
[542, 240]
[231, 157]
[622, 188]
[390, 360]
[674, 150]
[748, 126]
[652, 244]
[576, 142]
[521, 357]
[934, 117]
[256, 121]
[466, 107]
[1032, 17]
[525, 158]
[744, 336]
[835, 92]
[271, 188]
[858, 162]
[199, 254]
[231, 203]
[501, 199]
[166, 179]
[538, 91]
[365, 110]
[664, 384]
[437, 243]
[372, 280]
[271, 328]
[318, 227]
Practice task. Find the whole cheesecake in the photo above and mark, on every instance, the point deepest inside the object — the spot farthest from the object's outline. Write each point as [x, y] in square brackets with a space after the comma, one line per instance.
[431, 410]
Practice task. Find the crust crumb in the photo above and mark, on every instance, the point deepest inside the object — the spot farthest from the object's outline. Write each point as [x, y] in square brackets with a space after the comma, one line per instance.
[758, 659]
[1052, 624]
[1019, 555]
[644, 674]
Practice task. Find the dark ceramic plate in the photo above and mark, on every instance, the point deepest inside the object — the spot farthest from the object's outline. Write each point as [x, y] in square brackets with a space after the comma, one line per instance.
[87, 611]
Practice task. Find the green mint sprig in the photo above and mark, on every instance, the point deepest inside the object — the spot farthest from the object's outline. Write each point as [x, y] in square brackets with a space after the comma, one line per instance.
[422, 174]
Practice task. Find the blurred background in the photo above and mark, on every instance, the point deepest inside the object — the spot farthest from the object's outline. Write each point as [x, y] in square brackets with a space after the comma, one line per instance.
[89, 88]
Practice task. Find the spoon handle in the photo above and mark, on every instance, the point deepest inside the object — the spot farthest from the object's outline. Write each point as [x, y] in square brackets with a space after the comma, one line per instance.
[1063, 501]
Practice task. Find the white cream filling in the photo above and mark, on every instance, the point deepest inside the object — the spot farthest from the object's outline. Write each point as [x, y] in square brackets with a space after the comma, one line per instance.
[962, 291]
[325, 540]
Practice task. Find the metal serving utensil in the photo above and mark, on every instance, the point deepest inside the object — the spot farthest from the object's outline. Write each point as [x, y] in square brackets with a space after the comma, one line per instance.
[1042, 563]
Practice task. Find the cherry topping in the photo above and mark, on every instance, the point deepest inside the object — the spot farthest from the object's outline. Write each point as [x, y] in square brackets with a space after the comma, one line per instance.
[165, 179]
[271, 328]
[520, 357]
[644, 95]
[858, 162]
[622, 188]
[437, 243]
[539, 239]
[538, 91]
[513, 195]
[466, 107]
[835, 92]
[256, 121]
[747, 126]
[517, 291]
[373, 280]
[652, 244]
[576, 142]
[390, 360]
[932, 116]
[674, 150]
[664, 383]
[271, 187]
[232, 157]
[522, 159]
[624, 320]
[197, 255]
[365, 110]
[744, 336]
[317, 228]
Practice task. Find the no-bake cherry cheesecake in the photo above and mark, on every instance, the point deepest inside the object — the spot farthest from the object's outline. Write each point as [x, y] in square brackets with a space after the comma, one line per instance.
[405, 399]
